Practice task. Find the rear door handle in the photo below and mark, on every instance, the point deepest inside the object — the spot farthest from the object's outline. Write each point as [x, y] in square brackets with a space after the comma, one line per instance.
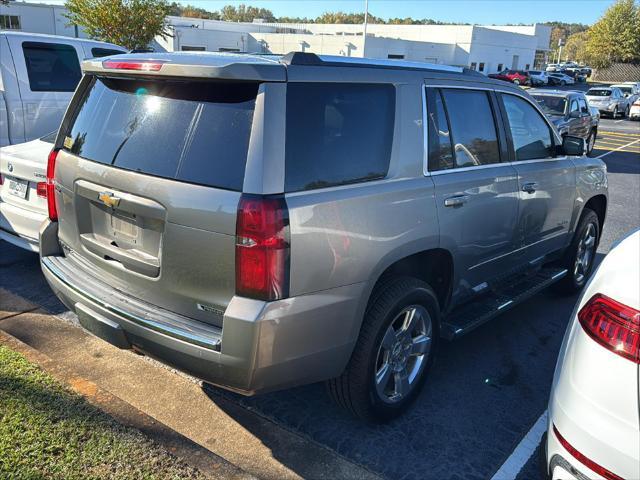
[530, 187]
[456, 201]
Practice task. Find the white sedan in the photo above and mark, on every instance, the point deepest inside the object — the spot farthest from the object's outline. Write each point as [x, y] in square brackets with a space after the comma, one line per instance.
[557, 78]
[23, 193]
[594, 429]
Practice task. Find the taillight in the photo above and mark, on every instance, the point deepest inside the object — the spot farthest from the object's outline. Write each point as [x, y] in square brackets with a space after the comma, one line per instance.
[599, 469]
[1, 179]
[51, 185]
[613, 325]
[262, 248]
[145, 66]
[41, 189]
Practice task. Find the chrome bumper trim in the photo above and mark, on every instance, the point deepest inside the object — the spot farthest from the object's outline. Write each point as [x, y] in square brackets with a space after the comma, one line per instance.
[180, 334]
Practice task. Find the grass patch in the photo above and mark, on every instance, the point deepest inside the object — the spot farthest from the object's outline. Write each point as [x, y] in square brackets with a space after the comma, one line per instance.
[49, 431]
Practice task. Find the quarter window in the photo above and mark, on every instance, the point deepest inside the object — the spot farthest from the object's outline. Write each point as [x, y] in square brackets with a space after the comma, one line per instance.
[531, 135]
[98, 52]
[474, 137]
[51, 67]
[337, 133]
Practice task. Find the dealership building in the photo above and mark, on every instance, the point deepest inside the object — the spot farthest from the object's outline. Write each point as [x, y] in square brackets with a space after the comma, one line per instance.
[484, 48]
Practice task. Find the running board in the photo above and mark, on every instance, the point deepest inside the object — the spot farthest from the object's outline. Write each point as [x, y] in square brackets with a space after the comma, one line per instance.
[473, 314]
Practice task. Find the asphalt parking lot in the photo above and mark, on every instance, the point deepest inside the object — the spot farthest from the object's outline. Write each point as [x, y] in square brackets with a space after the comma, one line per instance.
[487, 391]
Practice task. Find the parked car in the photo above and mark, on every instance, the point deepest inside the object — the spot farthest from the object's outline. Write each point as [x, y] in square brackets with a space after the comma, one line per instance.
[556, 78]
[310, 246]
[593, 429]
[634, 110]
[519, 77]
[38, 74]
[609, 100]
[630, 91]
[570, 113]
[538, 77]
[552, 67]
[23, 194]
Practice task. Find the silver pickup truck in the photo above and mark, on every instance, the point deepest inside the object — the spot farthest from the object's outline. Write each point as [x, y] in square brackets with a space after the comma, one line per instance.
[265, 222]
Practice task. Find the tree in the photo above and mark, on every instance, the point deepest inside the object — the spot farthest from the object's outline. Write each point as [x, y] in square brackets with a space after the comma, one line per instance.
[616, 36]
[242, 13]
[129, 23]
[562, 30]
[576, 48]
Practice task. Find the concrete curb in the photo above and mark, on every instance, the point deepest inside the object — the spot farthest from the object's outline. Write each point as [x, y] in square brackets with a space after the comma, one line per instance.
[209, 464]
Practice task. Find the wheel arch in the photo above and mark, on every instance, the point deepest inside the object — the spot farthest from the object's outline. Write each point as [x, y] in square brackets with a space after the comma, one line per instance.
[598, 203]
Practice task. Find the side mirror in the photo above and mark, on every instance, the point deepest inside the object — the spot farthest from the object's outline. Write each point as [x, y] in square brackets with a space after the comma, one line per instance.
[574, 114]
[573, 146]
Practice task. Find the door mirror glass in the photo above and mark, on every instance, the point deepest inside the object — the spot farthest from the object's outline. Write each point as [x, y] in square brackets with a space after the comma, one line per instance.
[573, 146]
[574, 114]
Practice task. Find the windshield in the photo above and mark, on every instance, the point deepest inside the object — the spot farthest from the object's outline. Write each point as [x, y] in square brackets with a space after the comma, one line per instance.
[551, 105]
[599, 92]
[626, 90]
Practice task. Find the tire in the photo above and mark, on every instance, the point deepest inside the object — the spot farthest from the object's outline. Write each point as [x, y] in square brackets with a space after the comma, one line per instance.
[368, 389]
[614, 115]
[562, 83]
[516, 81]
[591, 141]
[577, 276]
[626, 112]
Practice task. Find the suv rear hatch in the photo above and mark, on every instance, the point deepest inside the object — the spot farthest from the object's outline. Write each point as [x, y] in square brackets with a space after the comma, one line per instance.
[150, 176]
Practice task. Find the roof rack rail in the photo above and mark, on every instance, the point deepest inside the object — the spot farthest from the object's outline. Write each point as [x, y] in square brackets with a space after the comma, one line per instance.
[312, 59]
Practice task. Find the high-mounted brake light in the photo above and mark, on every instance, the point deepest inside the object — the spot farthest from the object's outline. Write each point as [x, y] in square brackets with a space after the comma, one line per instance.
[150, 66]
[262, 248]
[613, 325]
[599, 469]
[51, 185]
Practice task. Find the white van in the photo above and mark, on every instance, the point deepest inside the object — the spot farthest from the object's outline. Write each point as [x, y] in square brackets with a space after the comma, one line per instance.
[38, 74]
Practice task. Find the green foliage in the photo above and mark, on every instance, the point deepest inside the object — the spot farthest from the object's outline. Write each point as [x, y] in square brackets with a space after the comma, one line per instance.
[243, 13]
[562, 30]
[576, 48]
[616, 36]
[129, 23]
[47, 431]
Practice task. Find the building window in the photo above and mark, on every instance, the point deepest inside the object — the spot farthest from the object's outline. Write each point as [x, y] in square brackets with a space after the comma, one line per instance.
[9, 22]
[500, 67]
[526, 67]
[473, 65]
[395, 56]
[223, 49]
[188, 48]
[481, 67]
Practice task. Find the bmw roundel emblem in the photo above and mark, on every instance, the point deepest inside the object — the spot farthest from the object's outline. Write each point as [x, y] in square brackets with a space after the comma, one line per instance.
[10, 167]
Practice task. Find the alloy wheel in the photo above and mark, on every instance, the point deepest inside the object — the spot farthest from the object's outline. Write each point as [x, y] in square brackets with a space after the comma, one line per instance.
[403, 354]
[585, 254]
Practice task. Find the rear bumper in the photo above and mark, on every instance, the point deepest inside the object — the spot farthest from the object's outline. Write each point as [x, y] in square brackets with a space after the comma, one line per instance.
[262, 346]
[20, 226]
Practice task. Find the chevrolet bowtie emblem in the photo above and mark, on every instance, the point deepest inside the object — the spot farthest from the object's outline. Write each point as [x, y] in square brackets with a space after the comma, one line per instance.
[108, 199]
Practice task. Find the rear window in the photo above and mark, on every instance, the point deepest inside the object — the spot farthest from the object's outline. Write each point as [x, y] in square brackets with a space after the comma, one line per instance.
[98, 52]
[196, 132]
[337, 133]
[599, 92]
[51, 67]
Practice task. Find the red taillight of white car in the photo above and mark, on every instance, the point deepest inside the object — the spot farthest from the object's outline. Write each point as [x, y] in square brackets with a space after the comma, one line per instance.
[262, 248]
[613, 325]
[599, 469]
[51, 186]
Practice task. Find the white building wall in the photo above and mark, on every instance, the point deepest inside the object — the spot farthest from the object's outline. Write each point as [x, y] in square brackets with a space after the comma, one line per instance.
[495, 48]
[321, 44]
[211, 40]
[41, 18]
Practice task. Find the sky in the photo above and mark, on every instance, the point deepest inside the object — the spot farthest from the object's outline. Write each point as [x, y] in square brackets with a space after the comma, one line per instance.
[466, 11]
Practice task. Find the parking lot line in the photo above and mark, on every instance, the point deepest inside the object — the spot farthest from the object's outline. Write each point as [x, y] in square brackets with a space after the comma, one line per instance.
[620, 134]
[618, 149]
[522, 453]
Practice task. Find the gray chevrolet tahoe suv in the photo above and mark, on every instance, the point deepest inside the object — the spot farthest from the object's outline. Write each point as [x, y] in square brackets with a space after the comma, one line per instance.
[265, 222]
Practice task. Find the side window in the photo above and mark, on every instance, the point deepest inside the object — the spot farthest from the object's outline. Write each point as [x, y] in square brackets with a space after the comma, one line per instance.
[475, 141]
[337, 133]
[530, 133]
[574, 106]
[440, 152]
[51, 67]
[583, 105]
[97, 52]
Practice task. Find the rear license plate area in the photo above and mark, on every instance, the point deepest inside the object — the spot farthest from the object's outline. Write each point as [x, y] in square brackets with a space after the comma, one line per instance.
[18, 188]
[125, 228]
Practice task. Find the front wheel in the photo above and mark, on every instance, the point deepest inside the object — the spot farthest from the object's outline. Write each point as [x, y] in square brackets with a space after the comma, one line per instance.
[394, 351]
[615, 113]
[581, 253]
[516, 81]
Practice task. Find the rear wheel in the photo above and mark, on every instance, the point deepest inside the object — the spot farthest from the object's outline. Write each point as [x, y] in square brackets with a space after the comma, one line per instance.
[563, 83]
[580, 256]
[516, 81]
[394, 351]
[615, 113]
[591, 141]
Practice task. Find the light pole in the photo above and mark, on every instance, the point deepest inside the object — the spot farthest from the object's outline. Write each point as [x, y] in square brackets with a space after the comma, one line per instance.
[366, 21]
